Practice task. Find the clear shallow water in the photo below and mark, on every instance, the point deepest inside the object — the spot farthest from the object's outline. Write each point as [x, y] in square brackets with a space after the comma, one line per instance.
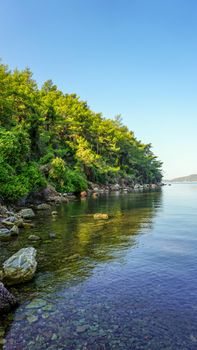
[126, 283]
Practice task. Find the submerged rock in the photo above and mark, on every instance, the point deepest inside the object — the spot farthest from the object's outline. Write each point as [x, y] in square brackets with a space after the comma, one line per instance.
[36, 304]
[20, 267]
[4, 234]
[28, 225]
[7, 300]
[14, 231]
[52, 235]
[7, 223]
[100, 216]
[43, 206]
[34, 238]
[27, 213]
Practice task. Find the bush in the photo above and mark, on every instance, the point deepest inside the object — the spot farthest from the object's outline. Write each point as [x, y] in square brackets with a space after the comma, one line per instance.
[14, 186]
[65, 179]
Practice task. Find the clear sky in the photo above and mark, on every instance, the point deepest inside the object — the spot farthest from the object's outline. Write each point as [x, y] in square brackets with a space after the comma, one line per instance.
[137, 58]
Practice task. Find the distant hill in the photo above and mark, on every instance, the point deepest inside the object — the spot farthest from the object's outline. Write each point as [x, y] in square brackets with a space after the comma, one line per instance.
[189, 178]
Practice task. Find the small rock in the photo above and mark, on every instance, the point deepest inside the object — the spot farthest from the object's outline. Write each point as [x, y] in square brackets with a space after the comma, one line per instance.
[36, 304]
[54, 336]
[73, 257]
[3, 210]
[4, 234]
[28, 225]
[11, 218]
[54, 213]
[32, 318]
[27, 213]
[100, 216]
[34, 238]
[7, 223]
[43, 206]
[52, 235]
[19, 223]
[83, 328]
[14, 231]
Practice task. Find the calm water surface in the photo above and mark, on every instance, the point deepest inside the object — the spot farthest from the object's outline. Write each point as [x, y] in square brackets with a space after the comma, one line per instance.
[126, 283]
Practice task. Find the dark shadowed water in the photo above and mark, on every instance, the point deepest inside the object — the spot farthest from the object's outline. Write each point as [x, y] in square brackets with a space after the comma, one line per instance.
[126, 283]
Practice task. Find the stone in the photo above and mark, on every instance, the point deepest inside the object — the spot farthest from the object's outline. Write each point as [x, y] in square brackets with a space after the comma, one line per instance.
[96, 189]
[83, 194]
[11, 218]
[14, 231]
[27, 225]
[52, 235]
[100, 216]
[34, 238]
[115, 187]
[54, 213]
[73, 257]
[36, 304]
[82, 328]
[32, 318]
[7, 300]
[49, 192]
[4, 234]
[20, 267]
[27, 213]
[3, 210]
[19, 222]
[43, 206]
[7, 223]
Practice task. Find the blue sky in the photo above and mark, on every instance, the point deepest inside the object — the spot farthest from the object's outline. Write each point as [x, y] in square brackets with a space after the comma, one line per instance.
[137, 58]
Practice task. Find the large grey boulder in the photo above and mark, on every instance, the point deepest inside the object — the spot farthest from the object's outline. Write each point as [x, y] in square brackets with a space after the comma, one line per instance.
[20, 267]
[7, 300]
[27, 213]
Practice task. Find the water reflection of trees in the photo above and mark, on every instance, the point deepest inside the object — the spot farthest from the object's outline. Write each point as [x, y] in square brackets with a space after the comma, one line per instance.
[83, 242]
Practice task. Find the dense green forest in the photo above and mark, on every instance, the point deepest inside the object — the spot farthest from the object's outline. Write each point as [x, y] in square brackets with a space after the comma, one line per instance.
[47, 136]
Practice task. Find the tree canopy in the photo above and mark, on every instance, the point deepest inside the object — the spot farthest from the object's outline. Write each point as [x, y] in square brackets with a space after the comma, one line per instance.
[47, 136]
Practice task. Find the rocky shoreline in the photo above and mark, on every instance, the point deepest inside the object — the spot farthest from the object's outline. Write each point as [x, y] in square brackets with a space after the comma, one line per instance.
[21, 267]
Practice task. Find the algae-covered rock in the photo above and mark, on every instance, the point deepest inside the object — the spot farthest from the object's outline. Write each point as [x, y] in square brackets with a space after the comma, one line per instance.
[100, 216]
[4, 234]
[34, 238]
[7, 223]
[14, 231]
[7, 300]
[43, 206]
[27, 213]
[20, 267]
[52, 235]
[28, 225]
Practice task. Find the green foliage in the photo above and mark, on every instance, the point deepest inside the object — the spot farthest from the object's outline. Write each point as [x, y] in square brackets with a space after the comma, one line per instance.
[65, 179]
[59, 131]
